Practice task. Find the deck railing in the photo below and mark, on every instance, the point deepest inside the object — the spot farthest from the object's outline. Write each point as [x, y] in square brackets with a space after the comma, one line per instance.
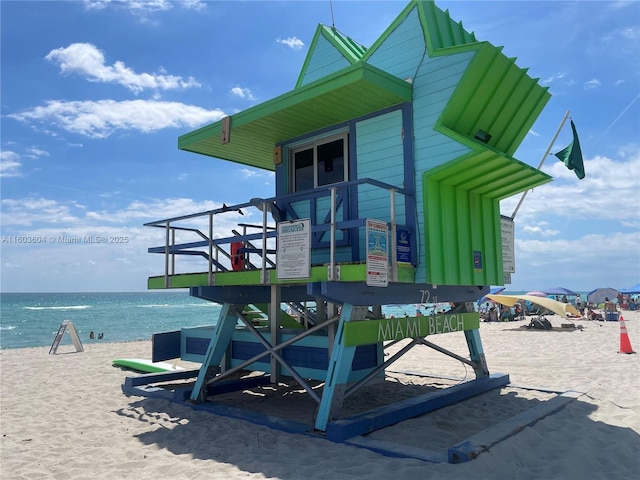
[256, 238]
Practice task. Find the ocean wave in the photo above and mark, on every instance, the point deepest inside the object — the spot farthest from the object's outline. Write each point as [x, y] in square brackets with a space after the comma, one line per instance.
[64, 307]
[173, 305]
[8, 327]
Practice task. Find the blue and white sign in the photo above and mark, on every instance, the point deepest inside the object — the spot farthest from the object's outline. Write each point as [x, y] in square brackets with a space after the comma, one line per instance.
[377, 253]
[403, 245]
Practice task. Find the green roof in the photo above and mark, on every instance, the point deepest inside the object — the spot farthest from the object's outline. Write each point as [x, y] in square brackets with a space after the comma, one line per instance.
[488, 173]
[349, 93]
[496, 96]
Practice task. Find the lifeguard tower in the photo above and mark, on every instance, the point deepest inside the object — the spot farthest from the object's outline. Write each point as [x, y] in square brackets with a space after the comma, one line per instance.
[390, 162]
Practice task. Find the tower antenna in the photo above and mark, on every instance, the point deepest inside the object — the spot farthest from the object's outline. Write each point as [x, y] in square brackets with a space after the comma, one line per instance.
[333, 23]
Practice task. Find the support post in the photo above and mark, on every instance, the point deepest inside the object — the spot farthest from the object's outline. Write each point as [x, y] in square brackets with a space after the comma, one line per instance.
[477, 353]
[264, 275]
[220, 340]
[393, 253]
[338, 370]
[275, 315]
[210, 280]
[166, 255]
[331, 274]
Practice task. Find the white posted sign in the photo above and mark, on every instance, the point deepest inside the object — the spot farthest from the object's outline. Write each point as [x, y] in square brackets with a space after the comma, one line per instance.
[508, 249]
[293, 257]
[377, 253]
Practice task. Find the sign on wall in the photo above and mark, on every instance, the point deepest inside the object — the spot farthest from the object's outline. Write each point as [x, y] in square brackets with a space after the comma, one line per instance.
[293, 257]
[508, 248]
[403, 245]
[377, 253]
[375, 331]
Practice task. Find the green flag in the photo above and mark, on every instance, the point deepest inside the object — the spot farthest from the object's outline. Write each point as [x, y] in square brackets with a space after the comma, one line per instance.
[571, 155]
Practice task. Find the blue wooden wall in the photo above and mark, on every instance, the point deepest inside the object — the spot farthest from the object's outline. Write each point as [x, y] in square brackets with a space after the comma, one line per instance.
[380, 151]
[379, 143]
[404, 54]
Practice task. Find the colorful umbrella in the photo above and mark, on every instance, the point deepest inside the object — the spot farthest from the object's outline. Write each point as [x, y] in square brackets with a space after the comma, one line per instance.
[559, 291]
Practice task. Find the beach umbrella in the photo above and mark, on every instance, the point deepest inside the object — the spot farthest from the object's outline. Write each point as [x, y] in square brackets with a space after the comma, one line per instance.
[633, 289]
[536, 293]
[559, 291]
[562, 309]
[599, 295]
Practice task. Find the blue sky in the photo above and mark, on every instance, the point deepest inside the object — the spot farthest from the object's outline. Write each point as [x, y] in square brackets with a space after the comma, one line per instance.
[95, 94]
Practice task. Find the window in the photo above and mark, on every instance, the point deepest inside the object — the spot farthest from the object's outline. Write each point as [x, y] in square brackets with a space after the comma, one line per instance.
[321, 163]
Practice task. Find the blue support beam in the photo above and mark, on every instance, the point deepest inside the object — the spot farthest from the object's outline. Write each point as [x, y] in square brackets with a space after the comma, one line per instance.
[340, 430]
[220, 340]
[337, 372]
[249, 294]
[476, 352]
[359, 293]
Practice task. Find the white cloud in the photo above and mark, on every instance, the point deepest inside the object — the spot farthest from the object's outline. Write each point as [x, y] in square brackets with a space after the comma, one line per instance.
[248, 173]
[154, 210]
[294, 43]
[39, 212]
[144, 8]
[86, 60]
[553, 78]
[100, 119]
[630, 33]
[581, 264]
[9, 164]
[120, 256]
[609, 191]
[34, 210]
[541, 230]
[590, 226]
[591, 84]
[34, 152]
[243, 93]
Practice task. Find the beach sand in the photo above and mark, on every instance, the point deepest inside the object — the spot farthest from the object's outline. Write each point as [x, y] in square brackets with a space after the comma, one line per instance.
[64, 416]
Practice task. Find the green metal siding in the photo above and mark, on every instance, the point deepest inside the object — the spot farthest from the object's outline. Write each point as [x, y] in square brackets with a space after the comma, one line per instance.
[457, 224]
[496, 96]
[441, 30]
[462, 215]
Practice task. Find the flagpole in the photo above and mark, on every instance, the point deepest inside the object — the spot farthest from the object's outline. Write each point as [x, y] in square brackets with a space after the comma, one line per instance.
[544, 157]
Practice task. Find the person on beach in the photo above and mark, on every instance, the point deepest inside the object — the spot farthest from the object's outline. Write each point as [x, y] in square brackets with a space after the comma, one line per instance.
[591, 315]
[92, 335]
[493, 315]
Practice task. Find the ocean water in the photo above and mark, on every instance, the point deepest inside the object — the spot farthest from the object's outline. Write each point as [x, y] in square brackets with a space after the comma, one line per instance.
[33, 319]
